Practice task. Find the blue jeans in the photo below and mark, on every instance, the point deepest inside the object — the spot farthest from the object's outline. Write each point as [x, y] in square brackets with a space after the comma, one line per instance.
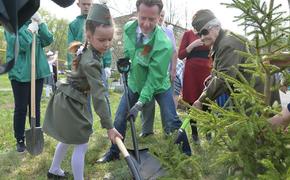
[167, 109]
[148, 115]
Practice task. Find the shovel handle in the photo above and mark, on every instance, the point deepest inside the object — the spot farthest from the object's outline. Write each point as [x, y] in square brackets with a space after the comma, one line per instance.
[185, 123]
[32, 103]
[132, 166]
[122, 147]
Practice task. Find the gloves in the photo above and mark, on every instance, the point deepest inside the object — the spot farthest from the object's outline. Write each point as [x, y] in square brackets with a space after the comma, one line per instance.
[36, 17]
[33, 27]
[135, 109]
[107, 72]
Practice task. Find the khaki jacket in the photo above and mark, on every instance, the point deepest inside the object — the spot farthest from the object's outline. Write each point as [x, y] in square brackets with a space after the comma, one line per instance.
[225, 58]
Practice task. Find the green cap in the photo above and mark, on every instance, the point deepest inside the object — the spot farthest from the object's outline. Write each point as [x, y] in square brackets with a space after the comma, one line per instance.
[201, 18]
[100, 13]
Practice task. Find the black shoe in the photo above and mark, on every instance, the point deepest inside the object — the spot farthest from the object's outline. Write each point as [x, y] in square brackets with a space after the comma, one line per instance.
[54, 176]
[20, 146]
[143, 135]
[109, 156]
[195, 139]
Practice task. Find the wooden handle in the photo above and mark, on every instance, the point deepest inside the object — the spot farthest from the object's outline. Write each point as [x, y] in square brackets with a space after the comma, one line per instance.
[122, 147]
[32, 103]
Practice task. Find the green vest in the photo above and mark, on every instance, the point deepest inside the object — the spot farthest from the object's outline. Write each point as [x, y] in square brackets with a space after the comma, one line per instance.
[75, 33]
[22, 69]
[149, 63]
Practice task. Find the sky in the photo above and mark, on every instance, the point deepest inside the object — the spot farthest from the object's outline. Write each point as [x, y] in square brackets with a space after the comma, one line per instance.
[123, 7]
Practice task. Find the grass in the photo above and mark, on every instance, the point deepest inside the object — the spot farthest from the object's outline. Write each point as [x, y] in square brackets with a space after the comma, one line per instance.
[24, 166]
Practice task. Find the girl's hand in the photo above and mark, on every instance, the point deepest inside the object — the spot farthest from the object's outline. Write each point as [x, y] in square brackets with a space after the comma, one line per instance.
[112, 134]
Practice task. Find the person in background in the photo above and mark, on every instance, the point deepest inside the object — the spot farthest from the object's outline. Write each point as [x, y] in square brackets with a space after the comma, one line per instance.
[20, 74]
[50, 80]
[178, 81]
[76, 27]
[67, 117]
[148, 111]
[150, 51]
[196, 69]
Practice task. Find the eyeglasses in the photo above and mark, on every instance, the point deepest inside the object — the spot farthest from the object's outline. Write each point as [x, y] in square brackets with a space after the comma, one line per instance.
[203, 32]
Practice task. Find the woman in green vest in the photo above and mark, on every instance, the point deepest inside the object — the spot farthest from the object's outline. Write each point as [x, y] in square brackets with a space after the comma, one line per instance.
[20, 74]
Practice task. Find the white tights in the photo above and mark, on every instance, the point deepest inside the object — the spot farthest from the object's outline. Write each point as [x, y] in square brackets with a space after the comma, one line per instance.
[77, 160]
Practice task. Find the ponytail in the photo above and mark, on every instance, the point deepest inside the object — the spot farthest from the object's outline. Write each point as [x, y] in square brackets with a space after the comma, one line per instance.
[77, 48]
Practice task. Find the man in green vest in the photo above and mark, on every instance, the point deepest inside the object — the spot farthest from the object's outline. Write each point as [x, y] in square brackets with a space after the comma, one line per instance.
[150, 51]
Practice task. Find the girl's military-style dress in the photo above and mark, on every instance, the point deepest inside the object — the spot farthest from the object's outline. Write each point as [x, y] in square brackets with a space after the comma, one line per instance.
[67, 117]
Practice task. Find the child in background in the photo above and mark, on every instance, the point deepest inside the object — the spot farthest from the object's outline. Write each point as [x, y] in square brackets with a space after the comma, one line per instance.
[67, 117]
[178, 81]
[49, 81]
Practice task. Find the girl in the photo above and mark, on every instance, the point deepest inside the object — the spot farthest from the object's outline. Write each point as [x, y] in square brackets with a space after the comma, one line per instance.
[67, 117]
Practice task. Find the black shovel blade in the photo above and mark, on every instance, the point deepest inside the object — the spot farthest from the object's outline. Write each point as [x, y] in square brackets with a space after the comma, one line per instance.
[134, 167]
[149, 168]
[4, 68]
[34, 140]
[183, 141]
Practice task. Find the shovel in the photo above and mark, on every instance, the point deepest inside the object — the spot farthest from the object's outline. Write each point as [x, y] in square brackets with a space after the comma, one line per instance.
[130, 161]
[148, 166]
[34, 135]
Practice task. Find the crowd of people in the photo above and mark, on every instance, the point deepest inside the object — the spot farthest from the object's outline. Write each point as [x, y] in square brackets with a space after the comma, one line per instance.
[160, 71]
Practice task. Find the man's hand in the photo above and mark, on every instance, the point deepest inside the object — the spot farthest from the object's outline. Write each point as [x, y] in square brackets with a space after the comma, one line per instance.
[107, 72]
[33, 27]
[112, 134]
[135, 109]
[197, 104]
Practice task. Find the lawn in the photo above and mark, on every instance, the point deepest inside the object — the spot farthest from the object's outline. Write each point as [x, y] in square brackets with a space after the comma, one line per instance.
[25, 166]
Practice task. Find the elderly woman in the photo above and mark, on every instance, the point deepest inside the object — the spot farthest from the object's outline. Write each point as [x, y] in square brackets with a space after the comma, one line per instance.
[223, 51]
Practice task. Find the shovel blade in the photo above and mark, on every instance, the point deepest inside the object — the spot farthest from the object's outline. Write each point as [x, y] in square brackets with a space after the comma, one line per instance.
[34, 140]
[149, 168]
